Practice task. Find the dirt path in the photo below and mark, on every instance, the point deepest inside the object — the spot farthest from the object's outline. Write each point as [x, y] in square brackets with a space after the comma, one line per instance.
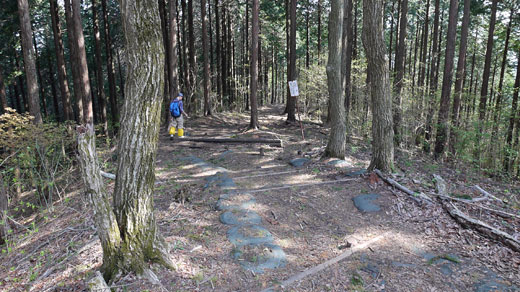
[306, 216]
[422, 250]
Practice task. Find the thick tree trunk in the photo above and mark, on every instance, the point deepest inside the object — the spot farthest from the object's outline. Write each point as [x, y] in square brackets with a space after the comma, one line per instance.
[374, 43]
[29, 61]
[253, 124]
[399, 69]
[60, 62]
[291, 100]
[319, 29]
[336, 143]
[114, 105]
[422, 61]
[205, 52]
[348, 57]
[442, 123]
[127, 230]
[167, 73]
[40, 79]
[459, 80]
[99, 68]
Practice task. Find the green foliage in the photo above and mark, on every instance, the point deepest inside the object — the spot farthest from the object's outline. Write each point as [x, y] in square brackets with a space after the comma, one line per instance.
[33, 156]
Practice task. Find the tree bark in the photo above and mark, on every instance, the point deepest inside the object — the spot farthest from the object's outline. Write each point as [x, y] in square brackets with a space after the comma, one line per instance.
[127, 230]
[348, 56]
[382, 131]
[88, 113]
[218, 49]
[173, 61]
[60, 62]
[253, 123]
[40, 79]
[192, 103]
[205, 52]
[76, 79]
[99, 68]
[336, 143]
[29, 61]
[53, 89]
[399, 69]
[114, 105]
[319, 29]
[459, 80]
[291, 100]
[167, 73]
[442, 123]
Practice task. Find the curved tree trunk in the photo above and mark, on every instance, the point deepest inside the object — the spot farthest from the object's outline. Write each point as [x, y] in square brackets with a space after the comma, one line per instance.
[382, 131]
[336, 144]
[129, 233]
[29, 61]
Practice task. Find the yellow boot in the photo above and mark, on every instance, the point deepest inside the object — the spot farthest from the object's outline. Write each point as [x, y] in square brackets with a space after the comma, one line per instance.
[180, 133]
[172, 131]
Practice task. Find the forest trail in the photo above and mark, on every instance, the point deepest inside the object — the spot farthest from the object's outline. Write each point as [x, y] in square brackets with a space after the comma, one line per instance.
[310, 213]
[307, 217]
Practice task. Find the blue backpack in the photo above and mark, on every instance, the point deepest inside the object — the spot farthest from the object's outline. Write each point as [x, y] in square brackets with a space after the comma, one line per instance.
[175, 109]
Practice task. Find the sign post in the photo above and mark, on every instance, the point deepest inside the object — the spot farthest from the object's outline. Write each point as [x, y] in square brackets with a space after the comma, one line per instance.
[293, 90]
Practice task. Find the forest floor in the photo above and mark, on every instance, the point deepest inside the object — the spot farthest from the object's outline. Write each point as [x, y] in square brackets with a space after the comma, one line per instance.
[400, 246]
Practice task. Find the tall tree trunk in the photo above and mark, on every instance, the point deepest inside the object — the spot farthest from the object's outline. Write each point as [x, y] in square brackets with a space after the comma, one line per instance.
[422, 63]
[29, 61]
[374, 43]
[186, 78]
[114, 105]
[205, 52]
[60, 62]
[253, 124]
[319, 29]
[128, 231]
[173, 61]
[399, 69]
[76, 79]
[291, 101]
[192, 102]
[218, 49]
[513, 116]
[459, 80]
[485, 77]
[88, 113]
[99, 68]
[431, 96]
[499, 94]
[391, 35]
[348, 56]
[336, 143]
[167, 73]
[40, 79]
[442, 123]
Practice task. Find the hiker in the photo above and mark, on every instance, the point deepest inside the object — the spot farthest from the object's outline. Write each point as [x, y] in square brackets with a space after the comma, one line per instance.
[176, 120]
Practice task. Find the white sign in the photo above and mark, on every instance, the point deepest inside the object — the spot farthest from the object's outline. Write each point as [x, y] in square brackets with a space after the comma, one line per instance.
[293, 88]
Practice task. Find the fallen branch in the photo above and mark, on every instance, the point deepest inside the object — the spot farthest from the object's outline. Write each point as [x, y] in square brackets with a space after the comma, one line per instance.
[273, 142]
[326, 264]
[486, 195]
[471, 203]
[469, 222]
[108, 175]
[420, 198]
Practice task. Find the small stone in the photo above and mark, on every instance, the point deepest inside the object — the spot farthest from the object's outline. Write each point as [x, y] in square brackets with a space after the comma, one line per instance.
[299, 162]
